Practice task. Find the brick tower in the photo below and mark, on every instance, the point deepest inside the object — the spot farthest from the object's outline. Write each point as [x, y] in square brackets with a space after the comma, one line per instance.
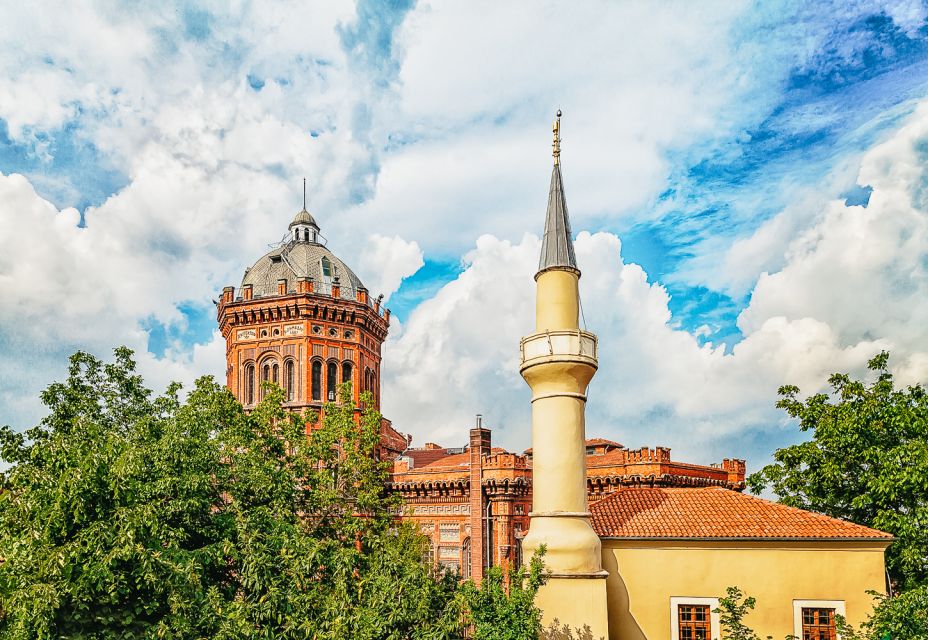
[304, 320]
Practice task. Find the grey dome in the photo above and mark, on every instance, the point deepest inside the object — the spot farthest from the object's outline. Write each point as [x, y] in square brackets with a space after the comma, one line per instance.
[303, 217]
[294, 260]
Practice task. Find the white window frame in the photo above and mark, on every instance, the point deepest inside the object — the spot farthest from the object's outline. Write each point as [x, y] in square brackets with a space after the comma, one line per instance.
[676, 601]
[799, 605]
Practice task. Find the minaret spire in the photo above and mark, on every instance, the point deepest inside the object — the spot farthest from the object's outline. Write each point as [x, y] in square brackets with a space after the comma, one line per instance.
[304, 193]
[558, 361]
[557, 245]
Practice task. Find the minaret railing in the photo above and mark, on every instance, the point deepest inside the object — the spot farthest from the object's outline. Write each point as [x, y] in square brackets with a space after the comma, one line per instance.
[558, 343]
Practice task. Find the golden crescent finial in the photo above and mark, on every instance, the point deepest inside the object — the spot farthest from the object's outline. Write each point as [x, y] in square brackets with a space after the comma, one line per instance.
[557, 138]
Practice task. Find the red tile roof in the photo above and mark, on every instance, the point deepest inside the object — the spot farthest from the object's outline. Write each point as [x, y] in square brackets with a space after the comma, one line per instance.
[713, 512]
[602, 441]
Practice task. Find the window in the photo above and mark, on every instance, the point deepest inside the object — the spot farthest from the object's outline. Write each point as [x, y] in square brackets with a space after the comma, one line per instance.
[331, 380]
[326, 273]
[317, 380]
[815, 619]
[818, 624]
[249, 384]
[346, 372]
[275, 373]
[289, 381]
[693, 618]
[465, 559]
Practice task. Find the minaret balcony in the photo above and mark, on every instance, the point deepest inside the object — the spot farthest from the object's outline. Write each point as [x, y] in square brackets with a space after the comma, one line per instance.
[558, 345]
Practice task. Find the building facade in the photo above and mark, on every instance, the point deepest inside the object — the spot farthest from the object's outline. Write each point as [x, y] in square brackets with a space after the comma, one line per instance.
[303, 320]
[639, 546]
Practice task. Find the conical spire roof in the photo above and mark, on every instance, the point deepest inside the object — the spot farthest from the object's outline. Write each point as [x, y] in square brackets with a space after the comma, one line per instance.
[557, 246]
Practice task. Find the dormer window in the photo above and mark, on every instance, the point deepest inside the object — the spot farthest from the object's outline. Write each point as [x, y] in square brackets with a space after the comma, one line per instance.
[326, 273]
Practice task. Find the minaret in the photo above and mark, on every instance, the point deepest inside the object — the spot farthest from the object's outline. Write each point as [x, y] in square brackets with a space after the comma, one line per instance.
[558, 362]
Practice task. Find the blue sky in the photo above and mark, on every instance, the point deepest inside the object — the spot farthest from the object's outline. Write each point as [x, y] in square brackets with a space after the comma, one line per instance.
[162, 148]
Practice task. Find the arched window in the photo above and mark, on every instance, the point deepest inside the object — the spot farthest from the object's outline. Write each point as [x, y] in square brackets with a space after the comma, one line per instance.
[249, 383]
[317, 380]
[289, 380]
[465, 559]
[275, 373]
[331, 381]
[430, 554]
[367, 379]
[346, 372]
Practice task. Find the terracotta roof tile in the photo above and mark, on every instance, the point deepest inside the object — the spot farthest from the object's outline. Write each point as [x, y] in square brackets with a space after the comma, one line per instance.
[713, 512]
[592, 442]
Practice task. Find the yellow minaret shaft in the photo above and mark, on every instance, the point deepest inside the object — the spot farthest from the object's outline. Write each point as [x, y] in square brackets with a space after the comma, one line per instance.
[558, 361]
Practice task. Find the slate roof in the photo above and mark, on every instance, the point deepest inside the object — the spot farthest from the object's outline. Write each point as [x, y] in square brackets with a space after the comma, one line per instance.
[714, 513]
[298, 259]
[557, 246]
[303, 217]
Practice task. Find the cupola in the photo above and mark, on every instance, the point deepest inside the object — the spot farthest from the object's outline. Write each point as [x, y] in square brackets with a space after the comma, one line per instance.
[304, 227]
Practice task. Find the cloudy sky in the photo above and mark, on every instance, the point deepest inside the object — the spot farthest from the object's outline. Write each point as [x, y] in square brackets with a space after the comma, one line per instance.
[746, 182]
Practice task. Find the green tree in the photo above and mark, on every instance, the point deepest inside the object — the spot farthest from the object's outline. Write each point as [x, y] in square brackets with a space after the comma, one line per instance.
[901, 617]
[505, 610]
[124, 515]
[866, 462]
[732, 610]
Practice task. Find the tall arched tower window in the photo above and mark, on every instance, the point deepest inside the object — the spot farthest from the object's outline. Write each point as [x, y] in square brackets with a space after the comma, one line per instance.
[331, 381]
[465, 559]
[289, 381]
[346, 372]
[249, 380]
[275, 373]
[317, 380]
[265, 372]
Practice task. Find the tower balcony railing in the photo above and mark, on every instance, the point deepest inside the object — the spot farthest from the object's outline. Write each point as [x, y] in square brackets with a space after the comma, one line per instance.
[561, 342]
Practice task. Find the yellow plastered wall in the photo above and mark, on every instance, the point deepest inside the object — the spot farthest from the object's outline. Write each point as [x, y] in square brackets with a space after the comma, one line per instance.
[645, 575]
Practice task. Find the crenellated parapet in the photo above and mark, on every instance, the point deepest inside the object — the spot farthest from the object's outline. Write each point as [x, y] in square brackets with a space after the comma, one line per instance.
[303, 320]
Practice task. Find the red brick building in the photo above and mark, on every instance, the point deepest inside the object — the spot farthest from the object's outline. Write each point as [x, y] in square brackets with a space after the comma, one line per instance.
[302, 319]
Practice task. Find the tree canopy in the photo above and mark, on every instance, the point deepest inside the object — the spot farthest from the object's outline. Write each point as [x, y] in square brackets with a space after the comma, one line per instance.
[125, 515]
[866, 462]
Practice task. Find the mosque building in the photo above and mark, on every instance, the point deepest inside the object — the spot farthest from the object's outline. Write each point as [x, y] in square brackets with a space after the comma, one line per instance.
[638, 546]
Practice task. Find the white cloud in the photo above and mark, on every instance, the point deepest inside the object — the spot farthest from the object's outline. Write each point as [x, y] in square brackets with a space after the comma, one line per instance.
[456, 147]
[384, 262]
[851, 286]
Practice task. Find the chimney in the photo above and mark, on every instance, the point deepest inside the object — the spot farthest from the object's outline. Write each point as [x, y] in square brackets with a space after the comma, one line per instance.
[386, 315]
[247, 292]
[228, 295]
[302, 285]
[362, 295]
[480, 442]
[377, 303]
[336, 288]
[282, 286]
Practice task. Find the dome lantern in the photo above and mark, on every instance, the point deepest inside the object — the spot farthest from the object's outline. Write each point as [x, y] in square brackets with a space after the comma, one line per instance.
[304, 227]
